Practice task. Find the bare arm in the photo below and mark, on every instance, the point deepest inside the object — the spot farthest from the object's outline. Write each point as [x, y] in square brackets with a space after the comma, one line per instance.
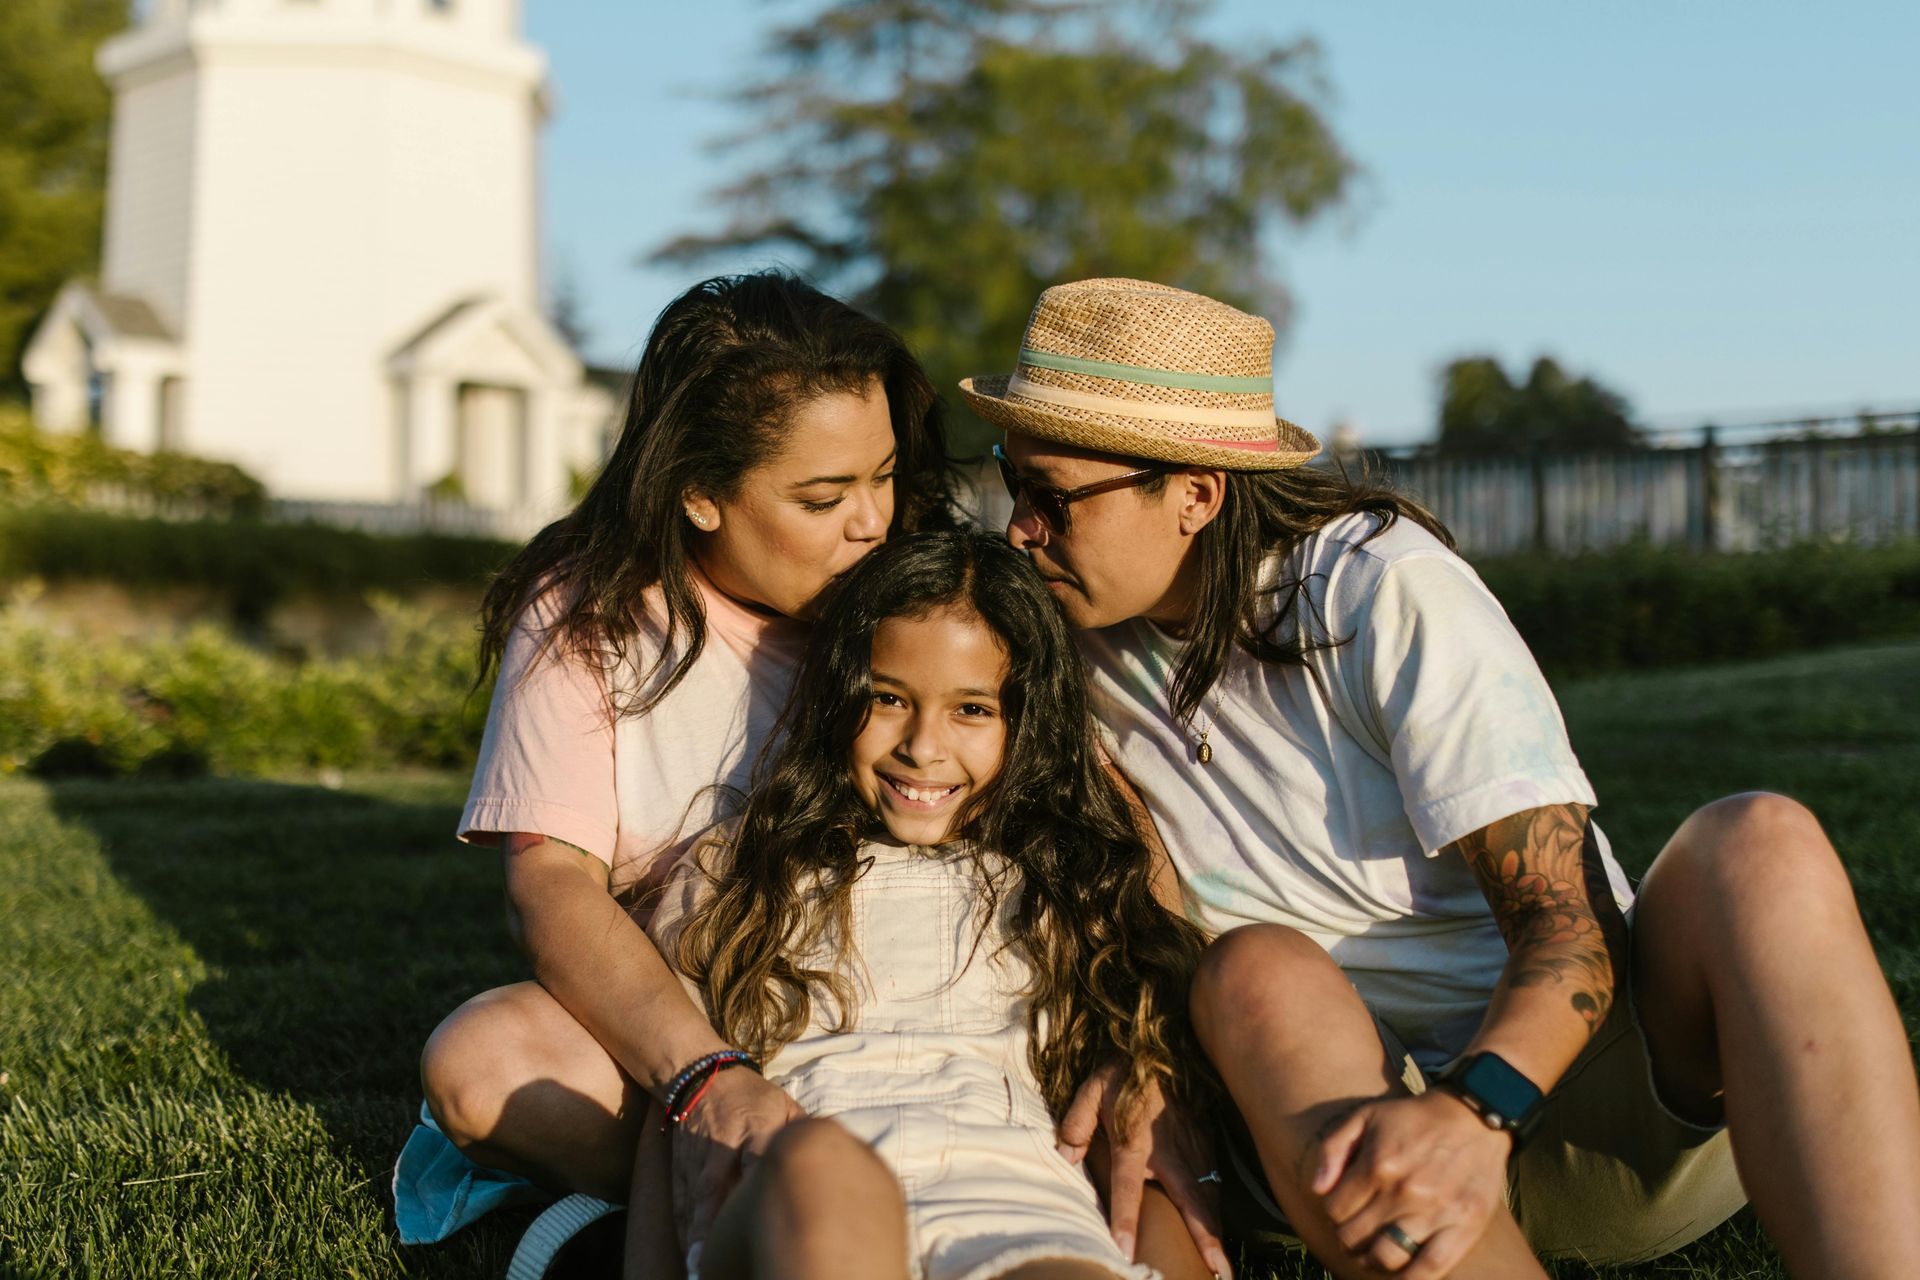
[1566, 942]
[605, 971]
[1428, 1164]
[598, 963]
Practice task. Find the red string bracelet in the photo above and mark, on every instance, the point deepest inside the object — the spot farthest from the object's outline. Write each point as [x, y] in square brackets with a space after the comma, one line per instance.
[692, 1084]
[694, 1101]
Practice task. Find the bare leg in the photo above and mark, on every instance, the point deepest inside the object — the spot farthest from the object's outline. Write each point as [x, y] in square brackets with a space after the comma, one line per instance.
[1298, 1050]
[820, 1203]
[518, 1085]
[1165, 1244]
[1759, 992]
[653, 1247]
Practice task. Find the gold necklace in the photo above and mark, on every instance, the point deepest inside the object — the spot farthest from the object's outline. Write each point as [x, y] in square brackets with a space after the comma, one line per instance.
[1202, 743]
[1203, 740]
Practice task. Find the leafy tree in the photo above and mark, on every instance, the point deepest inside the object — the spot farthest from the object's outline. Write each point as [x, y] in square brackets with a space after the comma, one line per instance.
[942, 161]
[53, 157]
[1483, 413]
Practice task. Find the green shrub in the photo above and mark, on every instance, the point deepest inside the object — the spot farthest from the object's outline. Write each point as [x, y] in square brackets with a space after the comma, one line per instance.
[254, 564]
[38, 466]
[204, 701]
[1651, 607]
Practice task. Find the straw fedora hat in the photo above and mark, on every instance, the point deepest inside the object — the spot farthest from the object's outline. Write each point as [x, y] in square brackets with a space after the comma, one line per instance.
[1146, 371]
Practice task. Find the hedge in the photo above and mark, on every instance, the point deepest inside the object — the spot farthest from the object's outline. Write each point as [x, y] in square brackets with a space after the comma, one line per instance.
[204, 701]
[254, 563]
[1642, 606]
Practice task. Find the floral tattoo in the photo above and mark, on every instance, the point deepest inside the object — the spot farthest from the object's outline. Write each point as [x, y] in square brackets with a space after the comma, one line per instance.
[1541, 872]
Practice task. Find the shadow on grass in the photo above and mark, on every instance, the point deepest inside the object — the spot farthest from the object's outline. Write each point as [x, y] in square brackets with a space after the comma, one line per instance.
[337, 926]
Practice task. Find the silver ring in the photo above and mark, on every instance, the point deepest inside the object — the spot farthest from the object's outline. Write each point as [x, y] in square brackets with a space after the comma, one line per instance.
[1406, 1242]
[1211, 1175]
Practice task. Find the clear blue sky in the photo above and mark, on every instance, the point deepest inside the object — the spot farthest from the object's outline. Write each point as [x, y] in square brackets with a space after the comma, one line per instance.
[1711, 205]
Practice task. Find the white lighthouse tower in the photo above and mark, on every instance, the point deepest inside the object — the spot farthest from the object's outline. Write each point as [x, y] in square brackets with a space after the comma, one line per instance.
[321, 255]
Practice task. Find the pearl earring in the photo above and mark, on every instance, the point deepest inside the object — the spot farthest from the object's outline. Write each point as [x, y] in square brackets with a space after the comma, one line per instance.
[697, 519]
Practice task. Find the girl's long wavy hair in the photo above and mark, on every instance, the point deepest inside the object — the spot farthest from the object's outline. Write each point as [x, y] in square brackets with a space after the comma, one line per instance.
[725, 367]
[1110, 966]
[1264, 515]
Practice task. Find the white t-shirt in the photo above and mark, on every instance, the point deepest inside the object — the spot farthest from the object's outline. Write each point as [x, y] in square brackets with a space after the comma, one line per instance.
[636, 791]
[1333, 785]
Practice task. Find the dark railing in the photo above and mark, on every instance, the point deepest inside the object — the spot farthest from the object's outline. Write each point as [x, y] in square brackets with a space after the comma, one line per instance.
[1721, 493]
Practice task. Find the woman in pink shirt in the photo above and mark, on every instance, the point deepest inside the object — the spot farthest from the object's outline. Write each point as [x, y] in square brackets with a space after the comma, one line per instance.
[643, 646]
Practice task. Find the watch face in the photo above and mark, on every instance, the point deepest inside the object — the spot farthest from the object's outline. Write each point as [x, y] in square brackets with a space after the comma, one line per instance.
[1499, 1088]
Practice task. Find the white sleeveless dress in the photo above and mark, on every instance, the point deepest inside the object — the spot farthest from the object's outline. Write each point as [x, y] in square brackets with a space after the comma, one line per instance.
[934, 1075]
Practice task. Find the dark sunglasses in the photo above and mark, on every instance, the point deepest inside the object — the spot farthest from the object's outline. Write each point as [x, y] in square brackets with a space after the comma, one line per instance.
[1049, 503]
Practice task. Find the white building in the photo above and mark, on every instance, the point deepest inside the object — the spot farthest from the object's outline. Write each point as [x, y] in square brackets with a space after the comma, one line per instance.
[321, 256]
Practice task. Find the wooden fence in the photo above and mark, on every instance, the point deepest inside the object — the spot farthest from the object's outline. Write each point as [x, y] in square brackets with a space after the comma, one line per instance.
[1712, 496]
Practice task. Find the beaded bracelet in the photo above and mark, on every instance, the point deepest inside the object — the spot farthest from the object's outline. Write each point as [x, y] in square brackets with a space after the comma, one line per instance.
[696, 1076]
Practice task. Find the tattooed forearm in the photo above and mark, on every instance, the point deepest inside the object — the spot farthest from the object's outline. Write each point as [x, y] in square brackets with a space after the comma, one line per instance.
[1536, 868]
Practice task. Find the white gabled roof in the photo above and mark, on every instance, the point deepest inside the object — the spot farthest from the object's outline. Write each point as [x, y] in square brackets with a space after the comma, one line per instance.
[112, 323]
[488, 339]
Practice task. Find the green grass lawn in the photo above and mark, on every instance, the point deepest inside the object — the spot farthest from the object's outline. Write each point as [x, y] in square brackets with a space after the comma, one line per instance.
[213, 993]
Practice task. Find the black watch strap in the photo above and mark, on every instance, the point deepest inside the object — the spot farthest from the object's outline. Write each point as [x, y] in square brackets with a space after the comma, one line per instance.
[1496, 1091]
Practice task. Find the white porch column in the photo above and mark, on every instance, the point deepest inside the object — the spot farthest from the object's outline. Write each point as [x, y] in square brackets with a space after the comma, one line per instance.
[430, 450]
[55, 365]
[60, 404]
[134, 418]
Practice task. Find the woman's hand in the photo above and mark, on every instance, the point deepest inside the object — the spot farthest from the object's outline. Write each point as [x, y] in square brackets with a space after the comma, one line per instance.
[1426, 1165]
[1163, 1143]
[715, 1145]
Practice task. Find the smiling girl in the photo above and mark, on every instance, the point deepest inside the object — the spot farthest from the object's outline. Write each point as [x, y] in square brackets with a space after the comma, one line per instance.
[934, 917]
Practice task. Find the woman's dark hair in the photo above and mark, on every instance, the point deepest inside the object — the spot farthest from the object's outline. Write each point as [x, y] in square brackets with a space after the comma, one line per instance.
[1263, 516]
[1111, 967]
[727, 364]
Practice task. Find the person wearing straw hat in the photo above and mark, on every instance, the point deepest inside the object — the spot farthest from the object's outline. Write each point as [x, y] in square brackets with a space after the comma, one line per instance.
[1453, 1037]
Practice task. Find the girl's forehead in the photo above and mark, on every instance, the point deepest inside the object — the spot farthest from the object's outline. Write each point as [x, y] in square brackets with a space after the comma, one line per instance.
[945, 644]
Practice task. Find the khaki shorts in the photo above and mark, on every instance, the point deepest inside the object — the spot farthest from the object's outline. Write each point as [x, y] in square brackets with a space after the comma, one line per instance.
[1609, 1173]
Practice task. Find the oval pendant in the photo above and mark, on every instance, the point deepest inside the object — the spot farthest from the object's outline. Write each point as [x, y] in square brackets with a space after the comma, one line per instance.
[1203, 753]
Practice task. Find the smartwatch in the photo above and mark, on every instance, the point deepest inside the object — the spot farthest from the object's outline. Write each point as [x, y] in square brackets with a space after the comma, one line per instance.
[1495, 1091]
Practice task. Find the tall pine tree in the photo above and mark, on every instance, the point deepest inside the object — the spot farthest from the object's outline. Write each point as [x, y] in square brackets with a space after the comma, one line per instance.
[942, 161]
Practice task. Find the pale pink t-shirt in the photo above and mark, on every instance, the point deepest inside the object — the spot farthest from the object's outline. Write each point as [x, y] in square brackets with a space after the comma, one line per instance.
[637, 790]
